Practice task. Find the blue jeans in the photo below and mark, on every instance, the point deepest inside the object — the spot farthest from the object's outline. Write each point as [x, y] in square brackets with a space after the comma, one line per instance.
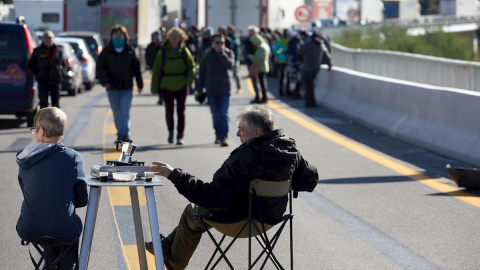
[219, 107]
[120, 102]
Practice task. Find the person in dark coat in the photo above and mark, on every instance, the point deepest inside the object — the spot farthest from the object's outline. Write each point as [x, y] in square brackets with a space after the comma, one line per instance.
[293, 62]
[215, 73]
[48, 64]
[151, 53]
[225, 197]
[116, 67]
[53, 182]
[236, 44]
[313, 52]
[152, 49]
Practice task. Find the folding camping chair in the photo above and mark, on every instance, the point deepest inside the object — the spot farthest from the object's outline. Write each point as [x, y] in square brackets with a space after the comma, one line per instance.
[260, 193]
[45, 245]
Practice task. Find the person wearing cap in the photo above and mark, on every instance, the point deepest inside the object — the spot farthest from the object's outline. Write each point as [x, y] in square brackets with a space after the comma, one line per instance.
[48, 64]
[206, 42]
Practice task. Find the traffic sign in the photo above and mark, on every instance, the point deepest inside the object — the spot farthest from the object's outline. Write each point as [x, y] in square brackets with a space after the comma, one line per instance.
[352, 13]
[303, 13]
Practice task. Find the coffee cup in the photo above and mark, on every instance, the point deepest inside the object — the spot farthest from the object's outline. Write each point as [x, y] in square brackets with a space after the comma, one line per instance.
[103, 176]
[149, 176]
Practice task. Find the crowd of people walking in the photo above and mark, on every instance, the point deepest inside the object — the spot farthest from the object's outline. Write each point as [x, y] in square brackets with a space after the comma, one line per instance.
[189, 60]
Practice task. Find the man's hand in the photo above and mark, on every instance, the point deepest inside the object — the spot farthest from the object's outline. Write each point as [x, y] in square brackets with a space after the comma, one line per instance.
[139, 90]
[160, 168]
[107, 86]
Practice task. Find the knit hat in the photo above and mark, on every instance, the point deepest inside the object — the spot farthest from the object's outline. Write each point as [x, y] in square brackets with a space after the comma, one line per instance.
[208, 31]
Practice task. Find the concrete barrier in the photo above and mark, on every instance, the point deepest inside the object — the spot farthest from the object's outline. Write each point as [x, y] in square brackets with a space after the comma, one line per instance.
[442, 120]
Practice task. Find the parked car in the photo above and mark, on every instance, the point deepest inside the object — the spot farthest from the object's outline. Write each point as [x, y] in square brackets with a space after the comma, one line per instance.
[94, 40]
[86, 59]
[18, 87]
[72, 76]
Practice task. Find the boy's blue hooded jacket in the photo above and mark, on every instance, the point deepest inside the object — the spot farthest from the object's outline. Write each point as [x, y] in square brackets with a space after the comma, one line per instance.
[53, 182]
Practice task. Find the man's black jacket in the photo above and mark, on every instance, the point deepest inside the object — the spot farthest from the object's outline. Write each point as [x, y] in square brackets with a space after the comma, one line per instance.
[271, 157]
[47, 64]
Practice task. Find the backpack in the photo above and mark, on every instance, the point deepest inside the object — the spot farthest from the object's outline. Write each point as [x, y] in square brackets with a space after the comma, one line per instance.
[164, 57]
[183, 55]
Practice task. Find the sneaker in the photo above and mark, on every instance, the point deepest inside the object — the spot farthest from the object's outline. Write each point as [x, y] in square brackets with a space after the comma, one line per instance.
[224, 143]
[160, 102]
[179, 141]
[170, 137]
[217, 141]
[254, 101]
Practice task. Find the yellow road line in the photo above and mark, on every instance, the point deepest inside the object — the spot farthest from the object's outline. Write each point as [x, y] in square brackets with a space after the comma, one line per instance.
[380, 159]
[108, 190]
[121, 196]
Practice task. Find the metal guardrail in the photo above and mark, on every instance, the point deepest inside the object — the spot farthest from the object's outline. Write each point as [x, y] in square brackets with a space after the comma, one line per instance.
[416, 68]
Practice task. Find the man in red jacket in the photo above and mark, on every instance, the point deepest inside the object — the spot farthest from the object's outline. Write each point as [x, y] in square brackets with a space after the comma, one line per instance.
[224, 198]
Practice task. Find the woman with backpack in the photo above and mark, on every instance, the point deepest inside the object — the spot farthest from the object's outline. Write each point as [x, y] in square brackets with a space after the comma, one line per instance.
[173, 73]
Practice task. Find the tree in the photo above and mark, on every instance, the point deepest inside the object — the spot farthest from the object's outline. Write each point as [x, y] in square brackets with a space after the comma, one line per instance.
[392, 38]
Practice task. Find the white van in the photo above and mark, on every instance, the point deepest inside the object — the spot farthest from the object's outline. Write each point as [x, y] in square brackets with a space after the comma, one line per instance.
[42, 14]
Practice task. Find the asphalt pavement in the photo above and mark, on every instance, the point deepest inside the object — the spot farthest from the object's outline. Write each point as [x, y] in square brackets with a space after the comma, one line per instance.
[380, 203]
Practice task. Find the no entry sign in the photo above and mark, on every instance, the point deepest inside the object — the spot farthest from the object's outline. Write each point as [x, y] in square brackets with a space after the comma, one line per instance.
[303, 13]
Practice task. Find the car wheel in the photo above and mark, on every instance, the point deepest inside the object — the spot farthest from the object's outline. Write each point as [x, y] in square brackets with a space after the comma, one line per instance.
[31, 116]
[72, 91]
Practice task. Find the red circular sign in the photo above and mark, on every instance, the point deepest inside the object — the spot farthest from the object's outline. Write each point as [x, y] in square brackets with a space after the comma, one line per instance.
[303, 13]
[352, 13]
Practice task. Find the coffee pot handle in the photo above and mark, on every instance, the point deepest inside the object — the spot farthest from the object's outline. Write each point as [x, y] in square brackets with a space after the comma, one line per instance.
[117, 144]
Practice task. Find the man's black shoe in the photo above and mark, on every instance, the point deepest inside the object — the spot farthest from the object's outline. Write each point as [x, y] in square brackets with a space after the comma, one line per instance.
[149, 247]
[255, 101]
[166, 245]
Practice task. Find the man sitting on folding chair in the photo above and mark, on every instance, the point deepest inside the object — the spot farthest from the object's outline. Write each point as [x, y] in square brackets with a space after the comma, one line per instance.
[264, 154]
[53, 182]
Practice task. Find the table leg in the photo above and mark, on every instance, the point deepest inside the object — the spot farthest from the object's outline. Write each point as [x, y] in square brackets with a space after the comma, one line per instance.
[91, 216]
[152, 215]
[137, 220]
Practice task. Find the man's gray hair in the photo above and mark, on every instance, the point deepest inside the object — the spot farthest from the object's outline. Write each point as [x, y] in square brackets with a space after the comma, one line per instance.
[257, 116]
[52, 120]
